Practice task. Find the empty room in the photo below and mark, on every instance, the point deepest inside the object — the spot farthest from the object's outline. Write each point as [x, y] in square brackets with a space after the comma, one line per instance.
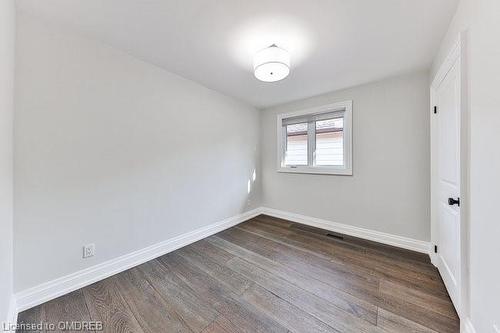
[238, 166]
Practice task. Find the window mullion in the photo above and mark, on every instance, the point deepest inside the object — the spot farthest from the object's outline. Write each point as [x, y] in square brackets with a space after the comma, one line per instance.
[284, 144]
[311, 142]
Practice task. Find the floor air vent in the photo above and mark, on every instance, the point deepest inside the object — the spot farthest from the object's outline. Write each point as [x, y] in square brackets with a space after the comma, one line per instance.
[335, 236]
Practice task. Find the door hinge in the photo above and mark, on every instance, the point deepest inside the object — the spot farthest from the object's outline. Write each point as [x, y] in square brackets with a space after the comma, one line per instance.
[435, 249]
[435, 109]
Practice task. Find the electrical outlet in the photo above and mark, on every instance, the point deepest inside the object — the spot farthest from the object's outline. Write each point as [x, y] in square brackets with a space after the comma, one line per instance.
[88, 250]
[496, 328]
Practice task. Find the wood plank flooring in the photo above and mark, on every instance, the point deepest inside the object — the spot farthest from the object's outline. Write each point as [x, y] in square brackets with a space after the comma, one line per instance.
[266, 275]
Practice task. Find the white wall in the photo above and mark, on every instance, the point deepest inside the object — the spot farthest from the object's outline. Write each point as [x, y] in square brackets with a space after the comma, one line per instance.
[114, 151]
[461, 22]
[480, 20]
[485, 167]
[7, 38]
[390, 188]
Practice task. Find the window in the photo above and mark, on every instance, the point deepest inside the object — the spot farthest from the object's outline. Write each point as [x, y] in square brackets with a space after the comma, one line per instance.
[316, 140]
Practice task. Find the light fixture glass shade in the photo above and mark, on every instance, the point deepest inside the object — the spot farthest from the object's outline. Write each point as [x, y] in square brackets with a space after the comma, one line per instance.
[271, 64]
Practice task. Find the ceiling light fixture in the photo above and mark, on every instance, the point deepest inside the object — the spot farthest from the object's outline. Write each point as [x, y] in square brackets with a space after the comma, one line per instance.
[271, 64]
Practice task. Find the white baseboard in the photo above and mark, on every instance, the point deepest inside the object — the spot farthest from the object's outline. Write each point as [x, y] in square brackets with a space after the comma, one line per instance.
[9, 324]
[467, 326]
[52, 289]
[376, 236]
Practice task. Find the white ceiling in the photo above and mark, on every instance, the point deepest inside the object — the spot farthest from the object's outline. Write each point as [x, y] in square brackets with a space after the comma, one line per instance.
[334, 44]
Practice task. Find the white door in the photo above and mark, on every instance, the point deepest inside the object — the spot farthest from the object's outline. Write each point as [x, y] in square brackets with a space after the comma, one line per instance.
[447, 192]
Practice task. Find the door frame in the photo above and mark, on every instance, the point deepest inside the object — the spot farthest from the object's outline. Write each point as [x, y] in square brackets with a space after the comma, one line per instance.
[457, 53]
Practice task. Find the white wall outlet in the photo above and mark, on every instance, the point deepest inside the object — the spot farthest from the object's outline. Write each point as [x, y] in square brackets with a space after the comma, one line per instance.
[496, 328]
[88, 250]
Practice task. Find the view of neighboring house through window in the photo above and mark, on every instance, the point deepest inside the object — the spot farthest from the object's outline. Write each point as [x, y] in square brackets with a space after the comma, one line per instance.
[329, 142]
[316, 141]
[296, 144]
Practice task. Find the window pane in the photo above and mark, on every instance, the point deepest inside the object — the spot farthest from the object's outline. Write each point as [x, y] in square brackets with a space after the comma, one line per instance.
[330, 142]
[296, 144]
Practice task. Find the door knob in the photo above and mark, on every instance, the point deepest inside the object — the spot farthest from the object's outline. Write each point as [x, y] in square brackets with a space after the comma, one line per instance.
[452, 201]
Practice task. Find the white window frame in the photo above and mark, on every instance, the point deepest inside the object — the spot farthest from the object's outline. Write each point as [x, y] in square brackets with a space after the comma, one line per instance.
[346, 169]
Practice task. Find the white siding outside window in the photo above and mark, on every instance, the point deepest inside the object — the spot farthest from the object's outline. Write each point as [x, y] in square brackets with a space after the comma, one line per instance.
[330, 142]
[296, 144]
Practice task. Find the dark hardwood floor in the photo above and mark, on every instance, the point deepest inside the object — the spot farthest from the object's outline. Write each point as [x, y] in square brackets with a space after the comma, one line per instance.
[266, 275]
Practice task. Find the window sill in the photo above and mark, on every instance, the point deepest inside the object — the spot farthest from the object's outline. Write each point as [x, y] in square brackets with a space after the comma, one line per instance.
[317, 170]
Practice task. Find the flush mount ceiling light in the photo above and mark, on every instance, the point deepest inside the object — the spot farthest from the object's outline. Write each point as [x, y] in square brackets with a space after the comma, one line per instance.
[271, 64]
